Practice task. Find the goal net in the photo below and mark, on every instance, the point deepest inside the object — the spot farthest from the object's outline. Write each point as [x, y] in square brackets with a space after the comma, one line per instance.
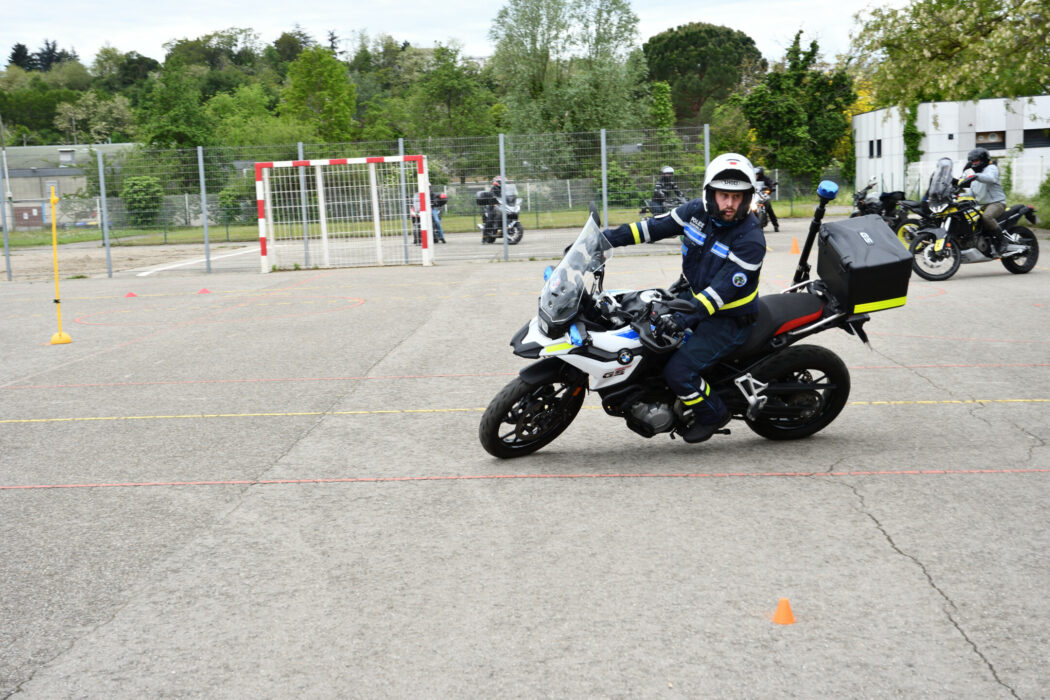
[343, 212]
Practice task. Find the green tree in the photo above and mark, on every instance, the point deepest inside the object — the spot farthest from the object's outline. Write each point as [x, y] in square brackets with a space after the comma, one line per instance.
[33, 107]
[143, 197]
[661, 108]
[701, 62]
[245, 118]
[956, 50]
[94, 119]
[798, 112]
[449, 99]
[21, 57]
[172, 114]
[320, 93]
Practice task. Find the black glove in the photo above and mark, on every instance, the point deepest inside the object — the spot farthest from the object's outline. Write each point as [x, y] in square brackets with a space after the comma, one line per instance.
[669, 325]
[685, 320]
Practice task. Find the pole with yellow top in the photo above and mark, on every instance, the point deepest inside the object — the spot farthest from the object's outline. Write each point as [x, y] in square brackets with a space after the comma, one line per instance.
[60, 337]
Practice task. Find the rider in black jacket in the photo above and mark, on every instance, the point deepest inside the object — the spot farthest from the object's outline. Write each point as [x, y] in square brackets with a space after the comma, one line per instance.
[722, 253]
[766, 182]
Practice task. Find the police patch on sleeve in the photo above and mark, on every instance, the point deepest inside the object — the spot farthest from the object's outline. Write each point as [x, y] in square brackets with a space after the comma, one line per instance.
[739, 279]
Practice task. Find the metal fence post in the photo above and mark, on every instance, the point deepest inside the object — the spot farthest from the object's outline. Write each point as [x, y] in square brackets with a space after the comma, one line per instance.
[204, 208]
[707, 146]
[3, 220]
[104, 213]
[302, 207]
[404, 198]
[502, 190]
[605, 183]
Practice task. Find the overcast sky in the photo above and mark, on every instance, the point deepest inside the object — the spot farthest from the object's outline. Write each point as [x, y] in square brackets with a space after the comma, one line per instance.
[134, 25]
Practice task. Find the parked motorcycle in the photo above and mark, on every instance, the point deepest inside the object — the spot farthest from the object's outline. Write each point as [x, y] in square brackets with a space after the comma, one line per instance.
[957, 233]
[614, 343]
[493, 208]
[898, 213]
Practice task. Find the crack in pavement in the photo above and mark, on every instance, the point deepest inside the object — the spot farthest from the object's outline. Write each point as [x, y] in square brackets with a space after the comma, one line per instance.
[950, 604]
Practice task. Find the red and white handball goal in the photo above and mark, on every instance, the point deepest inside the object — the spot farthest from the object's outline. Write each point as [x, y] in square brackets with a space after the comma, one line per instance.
[343, 212]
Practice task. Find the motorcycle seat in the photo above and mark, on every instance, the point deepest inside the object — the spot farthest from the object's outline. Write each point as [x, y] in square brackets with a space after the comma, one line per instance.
[780, 313]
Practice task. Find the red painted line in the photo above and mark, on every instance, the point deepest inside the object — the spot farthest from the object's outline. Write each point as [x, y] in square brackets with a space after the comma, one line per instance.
[499, 477]
[265, 380]
[338, 161]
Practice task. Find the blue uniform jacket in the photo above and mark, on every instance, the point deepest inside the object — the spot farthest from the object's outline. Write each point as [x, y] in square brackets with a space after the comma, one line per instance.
[720, 263]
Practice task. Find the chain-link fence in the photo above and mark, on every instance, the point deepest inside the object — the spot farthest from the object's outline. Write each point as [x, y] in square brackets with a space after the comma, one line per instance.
[135, 196]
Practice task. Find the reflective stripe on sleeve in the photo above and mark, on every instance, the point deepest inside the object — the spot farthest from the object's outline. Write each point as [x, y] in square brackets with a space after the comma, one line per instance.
[635, 233]
[741, 302]
[740, 263]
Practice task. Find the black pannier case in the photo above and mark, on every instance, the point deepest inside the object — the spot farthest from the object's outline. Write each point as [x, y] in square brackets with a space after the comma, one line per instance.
[863, 264]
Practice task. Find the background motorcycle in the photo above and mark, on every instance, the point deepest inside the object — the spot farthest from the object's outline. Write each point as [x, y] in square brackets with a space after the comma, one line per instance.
[436, 201]
[492, 215]
[616, 344]
[898, 213]
[655, 206]
[759, 205]
[958, 237]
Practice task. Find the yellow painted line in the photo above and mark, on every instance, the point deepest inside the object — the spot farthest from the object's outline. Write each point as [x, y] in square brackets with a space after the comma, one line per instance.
[396, 411]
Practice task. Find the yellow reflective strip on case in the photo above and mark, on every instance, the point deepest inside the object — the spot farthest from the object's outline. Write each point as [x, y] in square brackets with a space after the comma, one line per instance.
[741, 302]
[557, 348]
[637, 234]
[879, 305]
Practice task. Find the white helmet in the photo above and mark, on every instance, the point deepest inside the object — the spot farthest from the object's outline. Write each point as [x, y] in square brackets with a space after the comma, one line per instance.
[730, 172]
[667, 170]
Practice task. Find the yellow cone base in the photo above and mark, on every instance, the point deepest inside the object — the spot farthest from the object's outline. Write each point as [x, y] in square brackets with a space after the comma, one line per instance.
[60, 338]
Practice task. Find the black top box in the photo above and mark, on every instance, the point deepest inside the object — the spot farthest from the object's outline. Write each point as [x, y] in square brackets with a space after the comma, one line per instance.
[863, 264]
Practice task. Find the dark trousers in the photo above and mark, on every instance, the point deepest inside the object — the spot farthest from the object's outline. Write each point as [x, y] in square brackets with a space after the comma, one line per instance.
[713, 338]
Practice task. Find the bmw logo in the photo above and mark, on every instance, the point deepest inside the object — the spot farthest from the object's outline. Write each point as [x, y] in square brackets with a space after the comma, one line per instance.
[625, 356]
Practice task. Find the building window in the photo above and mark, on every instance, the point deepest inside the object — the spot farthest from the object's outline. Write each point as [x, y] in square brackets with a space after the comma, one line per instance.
[1036, 138]
[992, 140]
[878, 148]
[871, 149]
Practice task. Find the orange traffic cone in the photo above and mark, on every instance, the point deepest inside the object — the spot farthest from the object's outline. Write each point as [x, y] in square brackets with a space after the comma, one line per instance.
[794, 246]
[783, 615]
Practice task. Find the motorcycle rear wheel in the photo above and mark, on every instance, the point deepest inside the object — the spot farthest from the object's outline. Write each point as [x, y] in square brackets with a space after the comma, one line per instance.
[516, 232]
[808, 387]
[931, 264]
[523, 418]
[1020, 264]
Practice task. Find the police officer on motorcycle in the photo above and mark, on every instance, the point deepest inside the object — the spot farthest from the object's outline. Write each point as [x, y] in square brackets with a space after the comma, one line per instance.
[988, 193]
[665, 187]
[767, 183]
[722, 254]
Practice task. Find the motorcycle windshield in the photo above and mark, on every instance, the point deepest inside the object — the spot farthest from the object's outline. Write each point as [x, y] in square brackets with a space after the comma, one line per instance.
[940, 191]
[510, 194]
[560, 298]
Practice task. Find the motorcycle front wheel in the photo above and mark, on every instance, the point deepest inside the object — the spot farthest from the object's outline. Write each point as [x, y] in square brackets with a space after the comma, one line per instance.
[906, 232]
[808, 387]
[930, 263]
[516, 232]
[763, 217]
[523, 417]
[1020, 264]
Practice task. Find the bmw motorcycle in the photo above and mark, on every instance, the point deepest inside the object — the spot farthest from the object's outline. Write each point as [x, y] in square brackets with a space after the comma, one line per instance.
[493, 209]
[613, 343]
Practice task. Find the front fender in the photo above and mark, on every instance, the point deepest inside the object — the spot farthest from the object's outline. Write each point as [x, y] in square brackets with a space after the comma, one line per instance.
[549, 370]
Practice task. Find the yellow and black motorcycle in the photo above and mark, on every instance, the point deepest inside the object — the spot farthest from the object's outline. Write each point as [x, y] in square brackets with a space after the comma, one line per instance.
[954, 233]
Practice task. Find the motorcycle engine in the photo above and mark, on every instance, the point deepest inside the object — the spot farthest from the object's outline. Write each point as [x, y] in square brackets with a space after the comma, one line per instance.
[648, 419]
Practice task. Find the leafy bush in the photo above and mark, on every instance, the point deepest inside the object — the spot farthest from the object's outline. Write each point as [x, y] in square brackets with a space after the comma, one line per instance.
[143, 196]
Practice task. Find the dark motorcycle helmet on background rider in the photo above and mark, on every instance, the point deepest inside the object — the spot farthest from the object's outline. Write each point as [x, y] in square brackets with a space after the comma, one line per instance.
[978, 159]
[497, 185]
[729, 172]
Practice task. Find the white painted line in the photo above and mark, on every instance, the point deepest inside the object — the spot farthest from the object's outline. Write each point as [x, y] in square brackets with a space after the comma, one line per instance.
[194, 262]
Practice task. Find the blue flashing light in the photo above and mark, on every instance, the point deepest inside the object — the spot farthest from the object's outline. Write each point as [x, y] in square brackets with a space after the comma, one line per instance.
[548, 272]
[574, 336]
[827, 189]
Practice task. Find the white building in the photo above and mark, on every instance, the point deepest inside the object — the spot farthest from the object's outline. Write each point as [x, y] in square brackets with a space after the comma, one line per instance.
[1015, 131]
